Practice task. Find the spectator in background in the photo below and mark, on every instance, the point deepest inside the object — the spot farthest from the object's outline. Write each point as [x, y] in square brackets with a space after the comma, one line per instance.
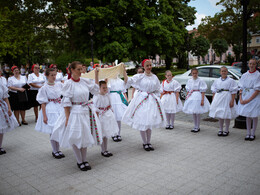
[84, 68]
[23, 70]
[6, 71]
[90, 67]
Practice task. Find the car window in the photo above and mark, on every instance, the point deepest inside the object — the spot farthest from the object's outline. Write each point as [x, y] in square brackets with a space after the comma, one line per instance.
[215, 73]
[203, 72]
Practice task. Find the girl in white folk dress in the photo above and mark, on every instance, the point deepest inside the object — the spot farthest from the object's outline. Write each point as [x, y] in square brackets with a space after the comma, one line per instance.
[107, 118]
[36, 81]
[171, 102]
[59, 76]
[249, 98]
[196, 103]
[49, 98]
[76, 127]
[119, 102]
[145, 110]
[223, 106]
[7, 119]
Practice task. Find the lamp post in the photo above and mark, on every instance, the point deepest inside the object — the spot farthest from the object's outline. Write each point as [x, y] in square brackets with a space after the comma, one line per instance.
[91, 33]
[188, 51]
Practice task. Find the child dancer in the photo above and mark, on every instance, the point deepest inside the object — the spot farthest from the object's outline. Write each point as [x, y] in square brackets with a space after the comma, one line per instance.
[49, 98]
[7, 119]
[145, 110]
[223, 105]
[107, 118]
[170, 98]
[196, 103]
[119, 102]
[249, 98]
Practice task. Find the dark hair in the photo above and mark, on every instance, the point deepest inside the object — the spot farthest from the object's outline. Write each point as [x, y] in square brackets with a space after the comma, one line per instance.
[140, 68]
[74, 64]
[102, 82]
[84, 65]
[48, 71]
[194, 69]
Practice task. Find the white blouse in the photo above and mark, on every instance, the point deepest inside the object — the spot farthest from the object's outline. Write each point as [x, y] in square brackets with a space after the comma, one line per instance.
[3, 80]
[14, 82]
[250, 81]
[32, 78]
[47, 92]
[3, 91]
[197, 84]
[173, 85]
[227, 84]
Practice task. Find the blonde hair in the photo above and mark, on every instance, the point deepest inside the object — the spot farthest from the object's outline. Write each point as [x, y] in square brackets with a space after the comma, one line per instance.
[168, 71]
[223, 67]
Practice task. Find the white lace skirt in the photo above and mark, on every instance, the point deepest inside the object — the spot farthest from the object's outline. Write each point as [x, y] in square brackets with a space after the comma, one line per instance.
[169, 103]
[192, 105]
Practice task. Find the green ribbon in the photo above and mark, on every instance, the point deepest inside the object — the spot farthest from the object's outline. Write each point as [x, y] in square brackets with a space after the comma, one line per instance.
[121, 96]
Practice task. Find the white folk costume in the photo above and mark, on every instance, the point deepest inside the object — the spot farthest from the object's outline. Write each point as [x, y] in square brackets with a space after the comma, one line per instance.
[145, 110]
[220, 106]
[38, 80]
[192, 104]
[118, 101]
[249, 83]
[168, 99]
[50, 95]
[82, 129]
[59, 77]
[7, 123]
[106, 116]
[3, 79]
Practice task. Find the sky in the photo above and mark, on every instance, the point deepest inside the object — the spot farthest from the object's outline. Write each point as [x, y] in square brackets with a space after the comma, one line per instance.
[204, 8]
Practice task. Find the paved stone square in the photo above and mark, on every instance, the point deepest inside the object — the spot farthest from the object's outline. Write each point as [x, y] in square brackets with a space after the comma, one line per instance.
[182, 163]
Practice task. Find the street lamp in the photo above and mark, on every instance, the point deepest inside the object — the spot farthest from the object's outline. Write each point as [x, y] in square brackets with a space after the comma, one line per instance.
[91, 33]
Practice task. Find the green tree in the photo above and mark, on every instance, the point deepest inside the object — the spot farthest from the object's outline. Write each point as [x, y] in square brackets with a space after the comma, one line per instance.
[220, 46]
[200, 46]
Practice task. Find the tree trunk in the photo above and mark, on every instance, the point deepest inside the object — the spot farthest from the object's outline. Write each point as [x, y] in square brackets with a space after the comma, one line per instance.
[168, 62]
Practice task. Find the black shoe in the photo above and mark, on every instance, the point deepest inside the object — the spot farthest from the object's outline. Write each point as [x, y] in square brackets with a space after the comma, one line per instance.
[56, 155]
[114, 138]
[2, 151]
[167, 127]
[82, 166]
[119, 138]
[171, 127]
[88, 167]
[61, 154]
[24, 123]
[105, 154]
[252, 138]
[193, 130]
[220, 133]
[146, 147]
[225, 134]
[109, 153]
[247, 138]
[150, 147]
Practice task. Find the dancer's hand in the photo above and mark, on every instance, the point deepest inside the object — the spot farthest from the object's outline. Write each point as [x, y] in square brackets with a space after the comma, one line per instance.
[231, 104]
[21, 89]
[66, 122]
[9, 112]
[202, 103]
[45, 119]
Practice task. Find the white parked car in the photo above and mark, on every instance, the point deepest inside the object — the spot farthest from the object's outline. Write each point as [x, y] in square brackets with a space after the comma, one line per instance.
[209, 74]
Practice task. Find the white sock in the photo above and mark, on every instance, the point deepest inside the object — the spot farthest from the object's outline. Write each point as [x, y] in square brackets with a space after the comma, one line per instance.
[172, 119]
[248, 125]
[149, 135]
[143, 135]
[168, 118]
[119, 127]
[255, 121]
[221, 124]
[54, 146]
[104, 144]
[198, 121]
[195, 121]
[1, 139]
[77, 153]
[227, 123]
[83, 154]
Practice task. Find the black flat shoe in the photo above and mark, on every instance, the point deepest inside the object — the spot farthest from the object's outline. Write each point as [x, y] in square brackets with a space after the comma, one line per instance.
[220, 133]
[88, 167]
[167, 127]
[109, 153]
[150, 147]
[146, 147]
[61, 154]
[247, 138]
[56, 155]
[119, 138]
[2, 151]
[193, 130]
[225, 134]
[105, 154]
[24, 123]
[82, 166]
[171, 127]
[115, 139]
[252, 138]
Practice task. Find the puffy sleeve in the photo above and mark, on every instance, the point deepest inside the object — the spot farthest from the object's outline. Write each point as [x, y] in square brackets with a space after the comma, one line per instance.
[233, 87]
[157, 86]
[67, 93]
[161, 88]
[176, 86]
[241, 82]
[257, 83]
[30, 79]
[133, 81]
[203, 86]
[42, 95]
[93, 87]
[214, 86]
[95, 103]
[5, 91]
[10, 82]
[188, 85]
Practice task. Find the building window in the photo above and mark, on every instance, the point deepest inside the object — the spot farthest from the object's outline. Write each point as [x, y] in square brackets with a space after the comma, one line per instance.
[257, 39]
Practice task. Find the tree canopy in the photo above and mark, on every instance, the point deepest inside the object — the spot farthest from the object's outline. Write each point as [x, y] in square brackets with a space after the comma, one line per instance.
[200, 46]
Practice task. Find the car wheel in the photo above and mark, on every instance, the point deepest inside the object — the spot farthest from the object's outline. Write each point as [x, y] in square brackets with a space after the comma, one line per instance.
[183, 92]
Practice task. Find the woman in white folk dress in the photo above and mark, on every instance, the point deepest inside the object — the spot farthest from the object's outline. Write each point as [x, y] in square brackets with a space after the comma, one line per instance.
[75, 127]
[196, 103]
[49, 96]
[249, 98]
[36, 81]
[8, 121]
[145, 111]
[107, 118]
[223, 105]
[170, 99]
